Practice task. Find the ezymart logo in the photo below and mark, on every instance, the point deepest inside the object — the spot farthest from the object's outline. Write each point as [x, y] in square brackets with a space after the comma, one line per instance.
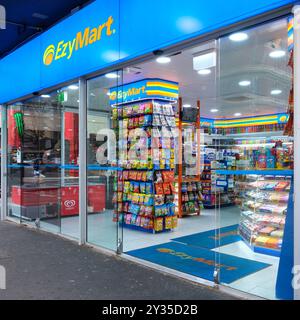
[65, 49]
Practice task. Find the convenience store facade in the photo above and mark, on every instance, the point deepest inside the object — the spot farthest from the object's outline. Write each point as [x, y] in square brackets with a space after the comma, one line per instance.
[53, 86]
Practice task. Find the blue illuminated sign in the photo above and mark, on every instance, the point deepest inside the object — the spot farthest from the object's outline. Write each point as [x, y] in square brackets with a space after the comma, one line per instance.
[97, 37]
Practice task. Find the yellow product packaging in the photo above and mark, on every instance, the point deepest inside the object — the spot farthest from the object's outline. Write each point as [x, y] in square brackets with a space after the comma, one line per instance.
[158, 224]
[174, 222]
[168, 223]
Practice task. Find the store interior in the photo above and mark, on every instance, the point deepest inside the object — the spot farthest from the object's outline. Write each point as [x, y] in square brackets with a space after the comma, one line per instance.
[225, 106]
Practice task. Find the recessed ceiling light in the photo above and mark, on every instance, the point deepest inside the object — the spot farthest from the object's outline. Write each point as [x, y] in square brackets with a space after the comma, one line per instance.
[237, 114]
[204, 72]
[214, 110]
[46, 96]
[112, 75]
[73, 87]
[245, 83]
[163, 59]
[276, 92]
[277, 54]
[77, 101]
[239, 36]
[186, 106]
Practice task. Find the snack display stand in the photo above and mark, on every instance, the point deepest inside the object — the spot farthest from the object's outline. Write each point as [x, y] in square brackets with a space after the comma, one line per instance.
[188, 197]
[144, 188]
[264, 204]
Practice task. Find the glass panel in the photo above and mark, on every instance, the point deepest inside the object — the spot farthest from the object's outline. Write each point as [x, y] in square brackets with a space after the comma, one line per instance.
[42, 161]
[254, 153]
[102, 228]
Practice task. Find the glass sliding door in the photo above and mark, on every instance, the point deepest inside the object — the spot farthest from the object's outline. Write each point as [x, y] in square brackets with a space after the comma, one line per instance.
[255, 186]
[102, 171]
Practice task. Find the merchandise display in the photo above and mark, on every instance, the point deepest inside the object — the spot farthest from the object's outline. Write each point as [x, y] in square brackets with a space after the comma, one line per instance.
[263, 201]
[188, 196]
[218, 189]
[144, 189]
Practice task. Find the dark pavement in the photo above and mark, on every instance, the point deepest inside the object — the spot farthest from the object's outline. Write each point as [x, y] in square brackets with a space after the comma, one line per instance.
[45, 266]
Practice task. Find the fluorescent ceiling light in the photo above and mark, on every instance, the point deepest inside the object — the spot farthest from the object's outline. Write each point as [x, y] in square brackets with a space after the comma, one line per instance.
[45, 96]
[73, 87]
[186, 106]
[245, 83]
[204, 72]
[239, 36]
[277, 54]
[112, 75]
[205, 61]
[275, 92]
[163, 60]
[237, 114]
[214, 110]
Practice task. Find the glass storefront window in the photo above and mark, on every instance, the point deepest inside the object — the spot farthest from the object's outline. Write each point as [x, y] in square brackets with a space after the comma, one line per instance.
[42, 161]
[102, 228]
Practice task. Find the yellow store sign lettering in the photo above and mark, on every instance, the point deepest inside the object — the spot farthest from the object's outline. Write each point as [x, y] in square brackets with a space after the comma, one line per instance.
[66, 49]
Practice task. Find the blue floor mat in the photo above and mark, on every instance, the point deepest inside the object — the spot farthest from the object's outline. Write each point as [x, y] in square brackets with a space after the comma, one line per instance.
[213, 238]
[198, 262]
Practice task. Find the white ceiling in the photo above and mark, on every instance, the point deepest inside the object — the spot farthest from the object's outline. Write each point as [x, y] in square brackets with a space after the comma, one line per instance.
[248, 60]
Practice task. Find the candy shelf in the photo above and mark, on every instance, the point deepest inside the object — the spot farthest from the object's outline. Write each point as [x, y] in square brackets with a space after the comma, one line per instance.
[144, 189]
[264, 202]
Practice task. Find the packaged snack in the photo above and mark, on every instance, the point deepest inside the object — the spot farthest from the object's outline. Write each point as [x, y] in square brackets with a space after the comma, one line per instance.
[158, 177]
[156, 120]
[166, 188]
[163, 121]
[148, 108]
[158, 224]
[142, 187]
[174, 222]
[168, 176]
[159, 200]
[148, 200]
[159, 188]
[139, 175]
[168, 223]
[149, 188]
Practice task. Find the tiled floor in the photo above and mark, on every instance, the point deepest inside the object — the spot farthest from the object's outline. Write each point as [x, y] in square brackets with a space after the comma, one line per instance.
[103, 231]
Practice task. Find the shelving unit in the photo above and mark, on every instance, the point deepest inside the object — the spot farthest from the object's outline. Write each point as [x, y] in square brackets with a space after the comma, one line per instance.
[188, 186]
[264, 204]
[217, 189]
[144, 189]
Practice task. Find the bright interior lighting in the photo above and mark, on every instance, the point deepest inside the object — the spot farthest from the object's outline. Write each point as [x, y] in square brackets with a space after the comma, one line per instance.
[214, 110]
[204, 72]
[45, 96]
[239, 36]
[73, 87]
[245, 83]
[237, 114]
[276, 92]
[186, 106]
[112, 75]
[205, 61]
[163, 60]
[277, 54]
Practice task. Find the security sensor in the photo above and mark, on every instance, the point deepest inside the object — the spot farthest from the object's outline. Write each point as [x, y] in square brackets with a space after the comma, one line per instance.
[158, 52]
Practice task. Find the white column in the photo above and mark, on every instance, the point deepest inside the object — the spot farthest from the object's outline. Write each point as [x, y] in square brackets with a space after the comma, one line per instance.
[296, 11]
[3, 163]
[82, 160]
